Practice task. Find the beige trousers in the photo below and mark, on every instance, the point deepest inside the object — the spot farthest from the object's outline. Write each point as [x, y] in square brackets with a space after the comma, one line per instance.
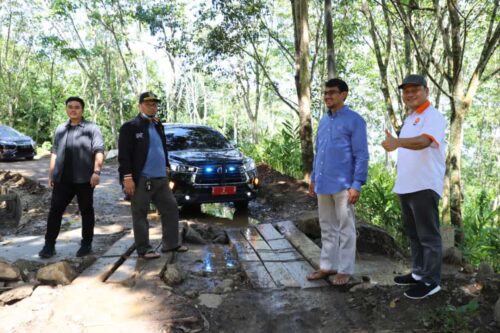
[338, 232]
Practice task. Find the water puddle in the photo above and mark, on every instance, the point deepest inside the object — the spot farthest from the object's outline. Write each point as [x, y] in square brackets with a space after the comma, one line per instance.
[221, 214]
[217, 259]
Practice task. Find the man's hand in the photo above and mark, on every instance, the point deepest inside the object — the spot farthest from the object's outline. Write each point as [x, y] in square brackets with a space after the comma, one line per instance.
[311, 193]
[129, 186]
[50, 183]
[390, 143]
[94, 180]
[352, 196]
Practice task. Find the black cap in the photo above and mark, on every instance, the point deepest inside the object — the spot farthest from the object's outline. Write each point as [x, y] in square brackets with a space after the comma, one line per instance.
[148, 96]
[415, 79]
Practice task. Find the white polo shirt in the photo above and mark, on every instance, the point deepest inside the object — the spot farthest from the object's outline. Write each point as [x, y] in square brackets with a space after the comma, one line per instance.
[423, 169]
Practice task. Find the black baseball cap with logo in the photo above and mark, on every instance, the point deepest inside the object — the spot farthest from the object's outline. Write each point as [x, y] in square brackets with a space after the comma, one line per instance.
[415, 79]
[148, 96]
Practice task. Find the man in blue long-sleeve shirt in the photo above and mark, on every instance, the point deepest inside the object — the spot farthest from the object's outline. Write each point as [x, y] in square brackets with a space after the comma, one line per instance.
[340, 169]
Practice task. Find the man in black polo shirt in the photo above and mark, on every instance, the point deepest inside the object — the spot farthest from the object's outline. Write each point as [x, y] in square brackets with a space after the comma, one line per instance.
[75, 167]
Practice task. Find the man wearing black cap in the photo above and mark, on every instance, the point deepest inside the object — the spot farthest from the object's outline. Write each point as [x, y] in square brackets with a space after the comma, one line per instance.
[74, 170]
[419, 185]
[143, 159]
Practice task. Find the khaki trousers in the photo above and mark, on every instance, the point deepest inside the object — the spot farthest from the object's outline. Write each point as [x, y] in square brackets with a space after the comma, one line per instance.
[338, 232]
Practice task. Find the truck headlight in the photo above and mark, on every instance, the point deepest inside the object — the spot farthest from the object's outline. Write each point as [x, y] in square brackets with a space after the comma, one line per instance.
[249, 164]
[183, 168]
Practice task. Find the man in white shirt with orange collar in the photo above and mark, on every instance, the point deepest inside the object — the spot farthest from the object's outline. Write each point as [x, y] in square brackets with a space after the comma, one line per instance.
[419, 185]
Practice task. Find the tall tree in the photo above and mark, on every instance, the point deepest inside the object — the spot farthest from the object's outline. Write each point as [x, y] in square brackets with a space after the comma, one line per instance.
[300, 11]
[330, 45]
[455, 21]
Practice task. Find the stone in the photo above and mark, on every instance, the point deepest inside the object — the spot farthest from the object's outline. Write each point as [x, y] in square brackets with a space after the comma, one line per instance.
[9, 272]
[57, 273]
[497, 311]
[362, 286]
[16, 294]
[211, 301]
[172, 275]
[193, 236]
[484, 270]
[491, 288]
[221, 239]
[308, 223]
[370, 238]
[225, 286]
[27, 267]
[453, 256]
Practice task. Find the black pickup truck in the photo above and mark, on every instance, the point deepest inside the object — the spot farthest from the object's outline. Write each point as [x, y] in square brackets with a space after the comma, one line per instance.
[205, 167]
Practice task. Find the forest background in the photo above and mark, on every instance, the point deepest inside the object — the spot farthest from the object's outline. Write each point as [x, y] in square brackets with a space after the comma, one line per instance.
[254, 69]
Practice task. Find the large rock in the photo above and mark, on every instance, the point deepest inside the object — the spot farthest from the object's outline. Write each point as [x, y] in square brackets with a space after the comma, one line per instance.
[371, 239]
[16, 294]
[9, 272]
[308, 223]
[28, 268]
[193, 236]
[58, 273]
[172, 275]
[484, 271]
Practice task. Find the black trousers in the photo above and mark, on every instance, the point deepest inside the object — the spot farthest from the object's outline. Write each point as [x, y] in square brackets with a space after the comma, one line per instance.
[421, 222]
[62, 194]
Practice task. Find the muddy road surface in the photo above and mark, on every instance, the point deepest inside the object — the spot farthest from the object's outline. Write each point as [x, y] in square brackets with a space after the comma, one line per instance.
[208, 291]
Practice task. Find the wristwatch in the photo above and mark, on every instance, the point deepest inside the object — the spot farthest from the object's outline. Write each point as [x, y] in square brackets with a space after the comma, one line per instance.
[97, 172]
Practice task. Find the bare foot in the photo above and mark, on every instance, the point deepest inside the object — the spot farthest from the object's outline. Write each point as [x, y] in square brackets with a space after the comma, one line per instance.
[321, 274]
[341, 279]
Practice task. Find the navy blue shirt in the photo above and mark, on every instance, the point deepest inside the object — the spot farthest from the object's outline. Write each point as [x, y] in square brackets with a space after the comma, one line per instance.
[341, 153]
[155, 161]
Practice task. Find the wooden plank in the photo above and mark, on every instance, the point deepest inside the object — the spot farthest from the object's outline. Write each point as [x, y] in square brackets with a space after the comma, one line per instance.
[240, 244]
[301, 242]
[255, 239]
[288, 255]
[280, 244]
[269, 232]
[299, 270]
[126, 272]
[121, 246]
[258, 275]
[280, 275]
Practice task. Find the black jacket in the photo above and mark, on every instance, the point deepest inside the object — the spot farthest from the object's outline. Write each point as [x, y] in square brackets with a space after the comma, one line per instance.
[133, 145]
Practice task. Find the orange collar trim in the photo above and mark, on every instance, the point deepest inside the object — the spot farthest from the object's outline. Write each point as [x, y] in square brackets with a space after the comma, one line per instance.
[422, 107]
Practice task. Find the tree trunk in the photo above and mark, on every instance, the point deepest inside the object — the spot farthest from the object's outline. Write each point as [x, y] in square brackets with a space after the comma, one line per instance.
[303, 85]
[459, 110]
[330, 46]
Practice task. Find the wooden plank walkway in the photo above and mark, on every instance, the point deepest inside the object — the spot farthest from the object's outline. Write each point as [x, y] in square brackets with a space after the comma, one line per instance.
[271, 256]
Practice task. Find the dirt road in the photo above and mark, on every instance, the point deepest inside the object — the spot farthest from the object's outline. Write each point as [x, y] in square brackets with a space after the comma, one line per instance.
[216, 298]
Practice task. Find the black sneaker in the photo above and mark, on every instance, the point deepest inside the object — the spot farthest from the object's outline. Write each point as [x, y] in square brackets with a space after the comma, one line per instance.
[47, 251]
[422, 290]
[84, 250]
[404, 280]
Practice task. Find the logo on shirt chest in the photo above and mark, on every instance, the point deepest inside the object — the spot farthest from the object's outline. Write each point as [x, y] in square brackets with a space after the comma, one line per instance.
[417, 120]
[139, 135]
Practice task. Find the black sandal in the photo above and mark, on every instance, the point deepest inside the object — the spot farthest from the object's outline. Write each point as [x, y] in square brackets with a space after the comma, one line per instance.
[150, 254]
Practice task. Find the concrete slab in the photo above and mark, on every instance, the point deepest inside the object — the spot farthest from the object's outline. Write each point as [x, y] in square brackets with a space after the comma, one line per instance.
[13, 248]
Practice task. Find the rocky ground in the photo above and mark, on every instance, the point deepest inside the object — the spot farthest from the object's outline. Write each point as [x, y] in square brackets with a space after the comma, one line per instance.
[200, 294]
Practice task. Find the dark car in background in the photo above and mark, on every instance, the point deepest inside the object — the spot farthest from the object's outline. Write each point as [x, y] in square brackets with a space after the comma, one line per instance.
[206, 168]
[14, 145]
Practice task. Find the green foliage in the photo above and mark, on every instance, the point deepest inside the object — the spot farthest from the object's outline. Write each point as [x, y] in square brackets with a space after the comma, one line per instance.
[378, 205]
[481, 228]
[281, 151]
[452, 319]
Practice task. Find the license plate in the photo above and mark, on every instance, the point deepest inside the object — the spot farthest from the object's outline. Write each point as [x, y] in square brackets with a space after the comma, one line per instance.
[223, 190]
